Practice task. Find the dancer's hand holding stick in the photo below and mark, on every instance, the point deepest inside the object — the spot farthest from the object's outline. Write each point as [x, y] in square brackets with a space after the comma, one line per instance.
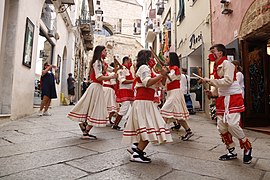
[160, 62]
[117, 65]
[204, 80]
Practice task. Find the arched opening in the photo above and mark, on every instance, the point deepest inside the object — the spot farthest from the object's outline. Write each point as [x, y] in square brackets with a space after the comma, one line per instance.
[255, 35]
[64, 73]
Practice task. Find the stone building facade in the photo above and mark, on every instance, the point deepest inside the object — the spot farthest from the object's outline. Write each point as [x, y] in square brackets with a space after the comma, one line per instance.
[33, 32]
[121, 32]
[183, 27]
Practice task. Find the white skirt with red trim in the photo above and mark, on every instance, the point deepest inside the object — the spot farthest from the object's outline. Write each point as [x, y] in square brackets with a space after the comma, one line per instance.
[91, 107]
[146, 123]
[175, 106]
[110, 100]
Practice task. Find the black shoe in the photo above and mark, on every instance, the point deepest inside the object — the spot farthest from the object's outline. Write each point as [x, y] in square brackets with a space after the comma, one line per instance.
[176, 127]
[188, 135]
[116, 127]
[247, 157]
[138, 156]
[192, 112]
[228, 156]
[88, 136]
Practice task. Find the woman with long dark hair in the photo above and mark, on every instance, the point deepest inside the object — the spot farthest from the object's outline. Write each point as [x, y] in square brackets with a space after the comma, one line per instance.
[145, 124]
[175, 106]
[91, 109]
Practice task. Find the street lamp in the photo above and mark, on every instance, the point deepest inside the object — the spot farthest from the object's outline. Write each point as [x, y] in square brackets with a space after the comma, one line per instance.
[99, 19]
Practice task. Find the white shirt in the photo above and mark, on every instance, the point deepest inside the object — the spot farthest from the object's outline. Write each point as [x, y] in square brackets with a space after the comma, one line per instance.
[185, 83]
[240, 79]
[122, 74]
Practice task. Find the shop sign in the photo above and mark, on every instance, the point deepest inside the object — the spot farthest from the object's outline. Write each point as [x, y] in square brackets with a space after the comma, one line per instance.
[194, 40]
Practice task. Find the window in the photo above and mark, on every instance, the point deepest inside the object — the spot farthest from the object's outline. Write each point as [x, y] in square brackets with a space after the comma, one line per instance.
[118, 26]
[137, 27]
[181, 12]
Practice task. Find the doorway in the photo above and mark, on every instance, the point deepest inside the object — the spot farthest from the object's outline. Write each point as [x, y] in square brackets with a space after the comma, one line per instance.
[44, 54]
[257, 81]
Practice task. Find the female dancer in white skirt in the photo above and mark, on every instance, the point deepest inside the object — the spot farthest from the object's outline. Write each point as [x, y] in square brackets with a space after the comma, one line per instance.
[145, 124]
[175, 106]
[91, 109]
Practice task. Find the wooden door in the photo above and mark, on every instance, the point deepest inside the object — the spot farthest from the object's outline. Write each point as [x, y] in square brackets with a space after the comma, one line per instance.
[257, 83]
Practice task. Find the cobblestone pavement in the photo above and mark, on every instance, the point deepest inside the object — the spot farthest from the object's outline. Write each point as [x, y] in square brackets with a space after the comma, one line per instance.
[50, 148]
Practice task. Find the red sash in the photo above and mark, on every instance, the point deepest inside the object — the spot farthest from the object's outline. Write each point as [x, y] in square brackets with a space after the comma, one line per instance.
[144, 93]
[124, 95]
[173, 85]
[108, 85]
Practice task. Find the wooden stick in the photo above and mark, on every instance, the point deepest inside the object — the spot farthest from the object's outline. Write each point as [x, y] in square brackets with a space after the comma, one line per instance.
[160, 62]
[197, 76]
[116, 64]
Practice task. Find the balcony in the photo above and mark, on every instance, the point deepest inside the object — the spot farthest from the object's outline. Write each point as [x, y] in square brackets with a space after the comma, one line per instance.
[86, 30]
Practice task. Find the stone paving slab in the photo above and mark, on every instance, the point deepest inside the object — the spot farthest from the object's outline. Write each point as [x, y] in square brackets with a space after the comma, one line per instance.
[179, 151]
[38, 137]
[102, 161]
[27, 161]
[266, 176]
[207, 168]
[263, 164]
[57, 171]
[22, 148]
[3, 142]
[131, 171]
[176, 174]
[99, 145]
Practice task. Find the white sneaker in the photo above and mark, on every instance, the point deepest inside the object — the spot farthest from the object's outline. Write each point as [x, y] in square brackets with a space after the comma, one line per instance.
[46, 113]
[40, 113]
[137, 157]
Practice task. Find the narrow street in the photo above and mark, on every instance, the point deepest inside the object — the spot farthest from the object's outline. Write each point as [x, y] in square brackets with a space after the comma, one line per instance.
[50, 147]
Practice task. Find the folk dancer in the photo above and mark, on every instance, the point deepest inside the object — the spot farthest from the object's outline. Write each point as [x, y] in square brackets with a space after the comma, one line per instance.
[229, 105]
[91, 109]
[175, 106]
[145, 124]
[125, 93]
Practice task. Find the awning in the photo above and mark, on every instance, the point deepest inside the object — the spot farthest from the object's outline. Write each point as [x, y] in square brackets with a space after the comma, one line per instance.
[150, 36]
